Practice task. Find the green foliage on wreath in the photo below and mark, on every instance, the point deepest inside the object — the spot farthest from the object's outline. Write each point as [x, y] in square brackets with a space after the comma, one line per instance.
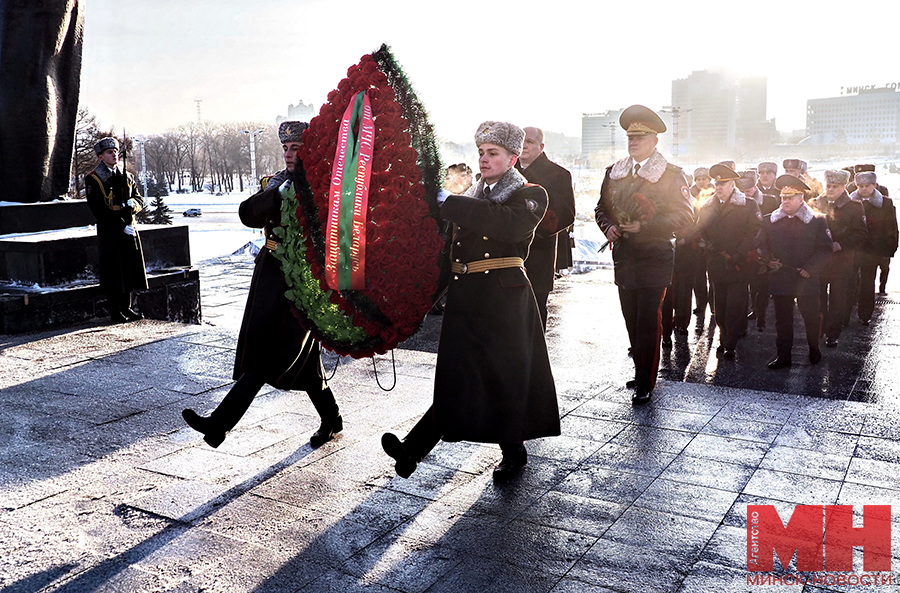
[303, 287]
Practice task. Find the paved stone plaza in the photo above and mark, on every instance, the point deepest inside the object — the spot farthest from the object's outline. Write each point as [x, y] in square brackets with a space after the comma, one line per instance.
[105, 489]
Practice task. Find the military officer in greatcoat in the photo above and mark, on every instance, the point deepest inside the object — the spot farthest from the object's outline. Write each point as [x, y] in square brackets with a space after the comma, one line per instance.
[728, 223]
[798, 168]
[795, 244]
[847, 224]
[538, 169]
[881, 219]
[644, 202]
[272, 346]
[113, 198]
[493, 382]
[759, 283]
[768, 172]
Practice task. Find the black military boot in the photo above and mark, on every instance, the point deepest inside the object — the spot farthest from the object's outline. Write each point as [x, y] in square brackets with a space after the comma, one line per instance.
[332, 423]
[227, 414]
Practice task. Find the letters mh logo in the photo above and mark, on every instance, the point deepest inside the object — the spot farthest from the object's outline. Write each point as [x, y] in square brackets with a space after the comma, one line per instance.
[822, 536]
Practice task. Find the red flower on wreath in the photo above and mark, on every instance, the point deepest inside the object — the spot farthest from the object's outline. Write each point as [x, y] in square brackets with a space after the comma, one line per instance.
[403, 242]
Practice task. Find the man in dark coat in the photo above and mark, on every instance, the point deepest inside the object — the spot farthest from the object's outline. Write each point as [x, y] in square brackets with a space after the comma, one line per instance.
[644, 201]
[768, 172]
[847, 224]
[767, 203]
[796, 245]
[727, 225]
[881, 219]
[538, 169]
[272, 346]
[113, 197]
[492, 382]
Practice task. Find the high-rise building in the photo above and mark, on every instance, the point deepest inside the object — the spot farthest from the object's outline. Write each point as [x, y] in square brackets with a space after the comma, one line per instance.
[719, 114]
[866, 116]
[602, 136]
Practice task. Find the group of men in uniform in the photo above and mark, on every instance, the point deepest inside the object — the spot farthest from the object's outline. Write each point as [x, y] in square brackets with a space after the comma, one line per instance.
[755, 234]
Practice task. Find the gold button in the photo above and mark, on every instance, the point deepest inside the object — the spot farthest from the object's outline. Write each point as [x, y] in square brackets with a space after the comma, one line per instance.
[456, 277]
[459, 243]
[486, 271]
[485, 238]
[457, 260]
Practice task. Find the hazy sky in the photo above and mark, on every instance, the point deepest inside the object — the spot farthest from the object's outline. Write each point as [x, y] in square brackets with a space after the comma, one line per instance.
[532, 63]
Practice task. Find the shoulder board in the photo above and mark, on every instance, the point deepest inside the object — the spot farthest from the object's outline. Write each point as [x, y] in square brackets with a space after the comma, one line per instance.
[675, 168]
[264, 182]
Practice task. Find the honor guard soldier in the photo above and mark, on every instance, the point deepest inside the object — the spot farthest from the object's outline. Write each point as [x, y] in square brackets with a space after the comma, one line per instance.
[113, 198]
[847, 223]
[272, 346]
[540, 170]
[881, 219]
[795, 245]
[644, 201]
[759, 282]
[493, 382]
[728, 223]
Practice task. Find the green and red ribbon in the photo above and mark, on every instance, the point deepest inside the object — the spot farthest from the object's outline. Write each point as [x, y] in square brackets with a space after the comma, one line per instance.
[348, 197]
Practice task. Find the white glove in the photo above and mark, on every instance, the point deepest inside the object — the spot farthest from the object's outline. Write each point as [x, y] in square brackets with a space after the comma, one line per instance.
[129, 230]
[442, 195]
[130, 203]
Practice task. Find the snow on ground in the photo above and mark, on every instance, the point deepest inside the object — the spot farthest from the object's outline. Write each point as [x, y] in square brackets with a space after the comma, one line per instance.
[219, 231]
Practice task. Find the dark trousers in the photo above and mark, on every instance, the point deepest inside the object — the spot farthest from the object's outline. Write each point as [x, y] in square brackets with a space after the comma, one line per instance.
[834, 294]
[885, 264]
[784, 322]
[641, 308]
[865, 305]
[117, 302]
[236, 403]
[425, 435]
[759, 295]
[731, 300]
[700, 286]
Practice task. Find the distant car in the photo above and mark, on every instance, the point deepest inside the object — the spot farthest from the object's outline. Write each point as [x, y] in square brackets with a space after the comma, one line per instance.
[191, 212]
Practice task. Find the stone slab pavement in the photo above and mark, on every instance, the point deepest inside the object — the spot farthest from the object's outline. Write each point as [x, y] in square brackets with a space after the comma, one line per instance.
[105, 489]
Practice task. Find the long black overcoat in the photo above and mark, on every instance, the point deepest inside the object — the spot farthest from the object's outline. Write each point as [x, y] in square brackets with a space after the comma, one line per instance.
[882, 224]
[541, 263]
[646, 259]
[493, 382]
[798, 242]
[847, 224]
[121, 257]
[730, 230]
[272, 345]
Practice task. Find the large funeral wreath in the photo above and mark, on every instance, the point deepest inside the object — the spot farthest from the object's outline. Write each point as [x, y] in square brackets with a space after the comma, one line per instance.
[402, 243]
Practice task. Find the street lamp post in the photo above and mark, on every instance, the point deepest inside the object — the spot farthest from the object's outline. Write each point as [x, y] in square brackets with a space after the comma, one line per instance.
[142, 142]
[253, 134]
[676, 113]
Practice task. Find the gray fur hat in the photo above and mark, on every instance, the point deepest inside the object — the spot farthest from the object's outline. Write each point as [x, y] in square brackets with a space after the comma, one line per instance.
[837, 176]
[291, 131]
[794, 164]
[507, 135]
[866, 177]
[748, 180]
[701, 172]
[106, 144]
[767, 166]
